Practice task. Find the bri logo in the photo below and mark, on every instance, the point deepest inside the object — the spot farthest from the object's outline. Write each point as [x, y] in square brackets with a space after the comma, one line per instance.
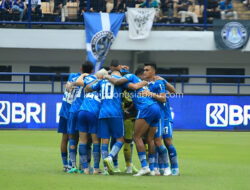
[4, 112]
[223, 115]
[17, 112]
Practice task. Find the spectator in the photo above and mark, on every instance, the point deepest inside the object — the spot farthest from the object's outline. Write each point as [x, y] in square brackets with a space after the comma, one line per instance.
[167, 7]
[213, 10]
[119, 6]
[152, 4]
[82, 9]
[6, 10]
[18, 6]
[35, 8]
[97, 6]
[130, 3]
[183, 7]
[60, 7]
[226, 8]
[109, 5]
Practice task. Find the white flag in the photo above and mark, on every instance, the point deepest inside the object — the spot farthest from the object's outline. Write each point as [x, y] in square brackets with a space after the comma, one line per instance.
[140, 21]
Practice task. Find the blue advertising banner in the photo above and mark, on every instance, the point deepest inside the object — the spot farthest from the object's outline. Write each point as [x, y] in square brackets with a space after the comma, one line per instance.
[31, 111]
[197, 112]
[101, 30]
[190, 112]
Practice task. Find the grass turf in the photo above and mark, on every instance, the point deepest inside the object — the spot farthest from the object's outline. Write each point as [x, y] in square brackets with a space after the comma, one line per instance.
[207, 160]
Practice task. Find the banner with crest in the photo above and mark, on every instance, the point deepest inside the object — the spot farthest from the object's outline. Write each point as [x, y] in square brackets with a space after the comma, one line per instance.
[140, 21]
[231, 34]
[101, 30]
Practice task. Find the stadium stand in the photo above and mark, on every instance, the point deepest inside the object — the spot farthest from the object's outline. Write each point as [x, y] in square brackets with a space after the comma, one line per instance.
[167, 10]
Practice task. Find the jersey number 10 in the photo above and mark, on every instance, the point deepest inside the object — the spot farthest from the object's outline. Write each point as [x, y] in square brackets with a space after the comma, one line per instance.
[107, 91]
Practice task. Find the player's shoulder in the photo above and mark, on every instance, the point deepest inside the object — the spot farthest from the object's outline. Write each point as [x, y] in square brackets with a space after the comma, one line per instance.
[71, 76]
[159, 82]
[130, 75]
[90, 78]
[116, 76]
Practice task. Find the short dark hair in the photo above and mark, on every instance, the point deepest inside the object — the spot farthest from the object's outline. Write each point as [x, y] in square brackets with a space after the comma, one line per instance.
[114, 63]
[139, 71]
[87, 67]
[153, 65]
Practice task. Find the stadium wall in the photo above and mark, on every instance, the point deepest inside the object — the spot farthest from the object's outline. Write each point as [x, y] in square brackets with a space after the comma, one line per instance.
[75, 40]
[197, 62]
[22, 48]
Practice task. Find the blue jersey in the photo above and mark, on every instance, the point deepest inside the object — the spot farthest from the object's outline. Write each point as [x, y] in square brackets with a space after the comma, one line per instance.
[91, 101]
[139, 101]
[158, 87]
[111, 97]
[66, 102]
[167, 109]
[76, 96]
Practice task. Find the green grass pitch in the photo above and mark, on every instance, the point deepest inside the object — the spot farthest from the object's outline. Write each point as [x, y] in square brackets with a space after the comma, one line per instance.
[207, 160]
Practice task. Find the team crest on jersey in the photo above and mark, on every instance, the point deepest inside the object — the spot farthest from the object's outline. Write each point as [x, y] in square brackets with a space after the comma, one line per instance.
[234, 35]
[100, 44]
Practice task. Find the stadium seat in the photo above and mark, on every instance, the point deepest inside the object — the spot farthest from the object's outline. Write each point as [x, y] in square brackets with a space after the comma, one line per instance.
[45, 6]
[72, 9]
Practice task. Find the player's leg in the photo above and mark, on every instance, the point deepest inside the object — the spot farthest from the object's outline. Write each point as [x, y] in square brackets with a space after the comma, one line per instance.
[168, 135]
[161, 151]
[140, 128]
[72, 141]
[104, 134]
[152, 116]
[128, 146]
[62, 128]
[83, 125]
[96, 153]
[105, 153]
[151, 148]
[115, 159]
[116, 127]
[93, 130]
[89, 150]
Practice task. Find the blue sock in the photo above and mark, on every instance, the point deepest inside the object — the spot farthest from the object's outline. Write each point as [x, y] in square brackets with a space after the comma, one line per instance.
[156, 164]
[151, 161]
[115, 159]
[163, 153]
[70, 163]
[72, 152]
[96, 155]
[142, 158]
[64, 156]
[131, 146]
[83, 155]
[89, 153]
[115, 149]
[173, 156]
[105, 151]
[112, 142]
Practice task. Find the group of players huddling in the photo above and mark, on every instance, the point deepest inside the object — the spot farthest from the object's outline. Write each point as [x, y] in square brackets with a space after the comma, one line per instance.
[94, 110]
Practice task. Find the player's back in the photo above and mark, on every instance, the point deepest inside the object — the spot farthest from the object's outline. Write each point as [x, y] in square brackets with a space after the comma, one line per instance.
[139, 101]
[91, 101]
[67, 98]
[111, 98]
[77, 96]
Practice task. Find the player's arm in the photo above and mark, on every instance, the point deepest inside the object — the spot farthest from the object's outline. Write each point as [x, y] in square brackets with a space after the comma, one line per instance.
[116, 81]
[136, 86]
[67, 86]
[79, 81]
[158, 97]
[169, 86]
[91, 87]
